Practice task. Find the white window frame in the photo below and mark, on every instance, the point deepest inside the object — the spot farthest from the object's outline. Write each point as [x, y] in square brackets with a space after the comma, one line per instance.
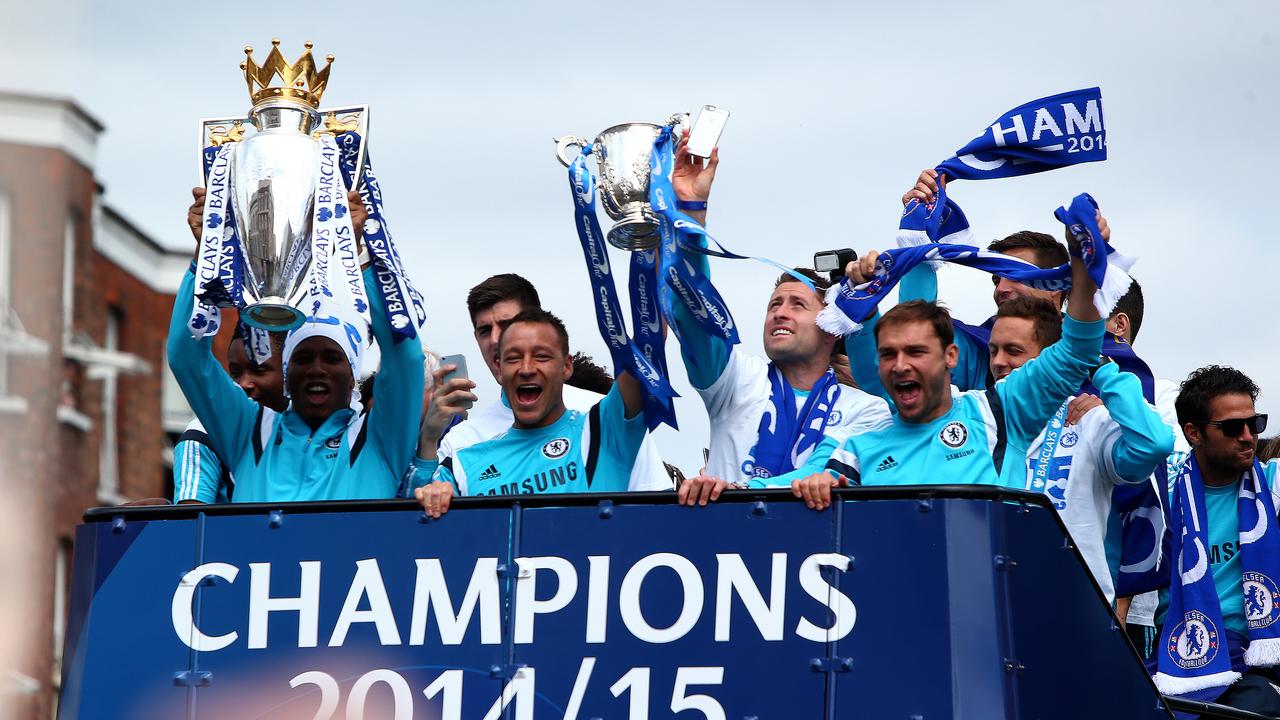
[108, 440]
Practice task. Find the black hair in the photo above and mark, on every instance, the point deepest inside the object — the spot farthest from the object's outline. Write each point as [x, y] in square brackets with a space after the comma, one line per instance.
[538, 316]
[1207, 383]
[507, 286]
[1131, 305]
[588, 375]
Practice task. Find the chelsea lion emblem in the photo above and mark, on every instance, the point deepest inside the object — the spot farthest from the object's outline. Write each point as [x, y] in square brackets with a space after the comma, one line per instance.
[1261, 600]
[1194, 641]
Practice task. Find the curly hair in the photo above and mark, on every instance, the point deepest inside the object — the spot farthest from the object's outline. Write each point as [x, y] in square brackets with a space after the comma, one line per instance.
[1207, 383]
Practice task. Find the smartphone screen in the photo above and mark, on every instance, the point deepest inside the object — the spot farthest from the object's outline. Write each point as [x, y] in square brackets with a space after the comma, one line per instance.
[460, 372]
[706, 130]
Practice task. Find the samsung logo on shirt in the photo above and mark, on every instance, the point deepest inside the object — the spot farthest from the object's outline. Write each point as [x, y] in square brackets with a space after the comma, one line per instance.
[538, 482]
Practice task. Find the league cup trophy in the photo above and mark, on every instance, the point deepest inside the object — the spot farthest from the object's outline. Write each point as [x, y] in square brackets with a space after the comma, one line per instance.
[273, 180]
[622, 153]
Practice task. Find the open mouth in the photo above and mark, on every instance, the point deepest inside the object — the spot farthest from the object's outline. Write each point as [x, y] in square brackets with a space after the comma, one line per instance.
[316, 393]
[528, 393]
[781, 332]
[907, 392]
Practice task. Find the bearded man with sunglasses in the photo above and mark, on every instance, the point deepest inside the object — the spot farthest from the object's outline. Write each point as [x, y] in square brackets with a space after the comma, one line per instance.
[1220, 617]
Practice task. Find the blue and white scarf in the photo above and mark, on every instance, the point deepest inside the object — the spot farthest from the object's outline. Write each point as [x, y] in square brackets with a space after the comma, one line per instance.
[848, 306]
[787, 436]
[1043, 134]
[1192, 655]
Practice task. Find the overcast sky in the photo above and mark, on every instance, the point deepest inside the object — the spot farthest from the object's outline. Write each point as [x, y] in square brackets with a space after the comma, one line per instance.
[836, 107]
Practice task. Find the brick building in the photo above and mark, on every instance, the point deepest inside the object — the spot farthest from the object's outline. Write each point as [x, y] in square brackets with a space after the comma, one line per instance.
[88, 408]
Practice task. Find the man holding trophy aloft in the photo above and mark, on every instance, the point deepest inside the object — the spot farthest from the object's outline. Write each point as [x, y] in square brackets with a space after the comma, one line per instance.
[278, 243]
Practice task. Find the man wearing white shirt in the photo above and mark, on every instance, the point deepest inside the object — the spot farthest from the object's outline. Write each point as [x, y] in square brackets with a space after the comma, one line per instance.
[491, 304]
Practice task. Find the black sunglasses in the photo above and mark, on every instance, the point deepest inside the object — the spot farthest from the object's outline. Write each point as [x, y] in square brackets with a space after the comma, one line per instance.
[1235, 426]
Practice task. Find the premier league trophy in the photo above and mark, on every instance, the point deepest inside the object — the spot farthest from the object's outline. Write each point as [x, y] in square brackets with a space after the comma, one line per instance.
[622, 153]
[273, 174]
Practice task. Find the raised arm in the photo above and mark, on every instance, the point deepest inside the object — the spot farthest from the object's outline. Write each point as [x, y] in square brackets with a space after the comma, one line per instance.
[397, 406]
[1145, 440]
[221, 406]
[1034, 391]
[705, 358]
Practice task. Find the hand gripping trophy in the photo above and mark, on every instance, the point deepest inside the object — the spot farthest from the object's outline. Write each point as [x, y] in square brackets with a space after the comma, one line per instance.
[275, 208]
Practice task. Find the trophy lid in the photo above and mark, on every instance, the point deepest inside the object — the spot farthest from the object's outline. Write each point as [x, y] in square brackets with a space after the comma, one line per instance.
[300, 81]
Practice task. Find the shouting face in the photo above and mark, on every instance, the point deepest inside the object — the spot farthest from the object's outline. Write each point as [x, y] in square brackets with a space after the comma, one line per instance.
[319, 379]
[916, 369]
[533, 367]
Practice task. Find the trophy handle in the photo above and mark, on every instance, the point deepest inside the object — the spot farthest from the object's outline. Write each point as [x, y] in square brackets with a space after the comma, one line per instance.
[563, 144]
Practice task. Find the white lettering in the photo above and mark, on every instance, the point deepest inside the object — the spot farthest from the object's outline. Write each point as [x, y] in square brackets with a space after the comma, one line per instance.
[366, 583]
[998, 133]
[1044, 121]
[629, 598]
[597, 598]
[482, 591]
[183, 623]
[261, 604]
[813, 583]
[732, 576]
[1091, 122]
[527, 604]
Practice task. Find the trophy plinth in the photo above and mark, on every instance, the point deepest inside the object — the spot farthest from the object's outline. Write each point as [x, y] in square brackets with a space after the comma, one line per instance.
[272, 314]
[637, 230]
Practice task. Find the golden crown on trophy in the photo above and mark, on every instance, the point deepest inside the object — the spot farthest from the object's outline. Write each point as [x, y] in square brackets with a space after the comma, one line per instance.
[300, 80]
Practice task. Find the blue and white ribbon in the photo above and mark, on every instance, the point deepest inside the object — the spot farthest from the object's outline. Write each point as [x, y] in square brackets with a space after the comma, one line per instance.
[1044, 134]
[646, 318]
[217, 259]
[401, 302]
[626, 356]
[688, 286]
[332, 236]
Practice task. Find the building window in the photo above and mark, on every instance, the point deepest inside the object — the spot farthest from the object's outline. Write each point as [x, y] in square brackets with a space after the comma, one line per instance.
[14, 340]
[108, 456]
[61, 589]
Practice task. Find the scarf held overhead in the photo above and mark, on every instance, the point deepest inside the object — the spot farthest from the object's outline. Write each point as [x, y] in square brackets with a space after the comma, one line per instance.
[1059, 130]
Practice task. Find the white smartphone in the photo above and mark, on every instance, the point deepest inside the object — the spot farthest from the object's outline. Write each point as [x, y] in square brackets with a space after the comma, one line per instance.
[706, 130]
[459, 372]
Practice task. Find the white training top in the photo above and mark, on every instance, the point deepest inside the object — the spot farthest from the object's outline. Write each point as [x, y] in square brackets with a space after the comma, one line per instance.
[738, 399]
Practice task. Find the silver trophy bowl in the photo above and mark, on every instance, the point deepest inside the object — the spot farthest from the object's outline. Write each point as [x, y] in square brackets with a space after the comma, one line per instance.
[622, 153]
[273, 184]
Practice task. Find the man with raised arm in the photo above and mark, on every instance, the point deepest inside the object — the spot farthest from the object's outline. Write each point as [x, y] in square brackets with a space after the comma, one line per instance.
[548, 448]
[940, 434]
[767, 415]
[1078, 463]
[324, 446]
[490, 304]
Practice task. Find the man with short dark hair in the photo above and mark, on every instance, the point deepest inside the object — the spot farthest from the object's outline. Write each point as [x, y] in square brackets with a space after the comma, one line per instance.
[940, 434]
[1220, 638]
[548, 448]
[490, 304]
[1078, 463]
[767, 415]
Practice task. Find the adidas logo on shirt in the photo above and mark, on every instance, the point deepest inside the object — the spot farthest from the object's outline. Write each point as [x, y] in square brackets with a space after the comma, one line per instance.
[887, 464]
[490, 473]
